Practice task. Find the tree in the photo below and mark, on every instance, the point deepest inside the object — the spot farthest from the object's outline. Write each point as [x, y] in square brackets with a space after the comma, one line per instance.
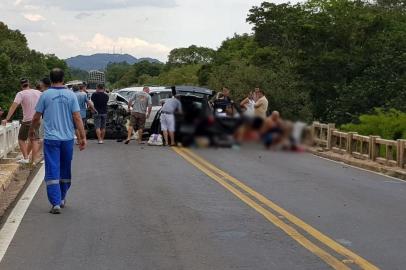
[18, 61]
[190, 55]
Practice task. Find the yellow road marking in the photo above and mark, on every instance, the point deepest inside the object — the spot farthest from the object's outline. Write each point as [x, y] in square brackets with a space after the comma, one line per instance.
[350, 256]
[329, 259]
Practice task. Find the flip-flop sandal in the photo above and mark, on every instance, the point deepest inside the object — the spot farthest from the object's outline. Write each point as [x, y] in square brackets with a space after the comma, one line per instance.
[127, 142]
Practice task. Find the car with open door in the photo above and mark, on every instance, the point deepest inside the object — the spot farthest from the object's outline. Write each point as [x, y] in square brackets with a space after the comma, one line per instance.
[198, 119]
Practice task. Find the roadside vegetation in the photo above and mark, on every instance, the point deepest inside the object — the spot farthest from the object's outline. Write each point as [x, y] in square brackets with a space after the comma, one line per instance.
[389, 124]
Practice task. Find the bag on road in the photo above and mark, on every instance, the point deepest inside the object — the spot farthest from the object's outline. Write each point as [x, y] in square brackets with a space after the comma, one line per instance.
[156, 140]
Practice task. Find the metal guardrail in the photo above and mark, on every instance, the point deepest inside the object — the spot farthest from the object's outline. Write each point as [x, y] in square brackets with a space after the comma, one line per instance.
[8, 138]
[386, 152]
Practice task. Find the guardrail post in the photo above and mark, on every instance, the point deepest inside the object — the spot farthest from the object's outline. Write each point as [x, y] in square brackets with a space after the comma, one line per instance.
[350, 135]
[313, 133]
[372, 148]
[400, 153]
[330, 129]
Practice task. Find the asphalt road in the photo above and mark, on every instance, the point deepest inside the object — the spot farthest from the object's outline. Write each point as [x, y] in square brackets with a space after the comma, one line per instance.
[133, 207]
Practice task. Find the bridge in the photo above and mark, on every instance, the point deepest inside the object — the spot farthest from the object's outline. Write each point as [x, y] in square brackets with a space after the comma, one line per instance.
[142, 207]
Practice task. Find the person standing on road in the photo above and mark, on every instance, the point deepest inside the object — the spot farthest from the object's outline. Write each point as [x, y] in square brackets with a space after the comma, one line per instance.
[223, 100]
[100, 100]
[249, 105]
[83, 102]
[142, 107]
[28, 99]
[60, 110]
[168, 117]
[45, 83]
[261, 104]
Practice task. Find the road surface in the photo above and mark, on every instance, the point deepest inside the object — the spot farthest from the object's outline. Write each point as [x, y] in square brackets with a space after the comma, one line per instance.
[140, 207]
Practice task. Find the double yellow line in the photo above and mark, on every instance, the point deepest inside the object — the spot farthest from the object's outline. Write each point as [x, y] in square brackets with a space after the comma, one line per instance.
[331, 252]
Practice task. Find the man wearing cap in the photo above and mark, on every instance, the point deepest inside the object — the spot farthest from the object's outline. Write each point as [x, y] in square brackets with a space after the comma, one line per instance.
[28, 99]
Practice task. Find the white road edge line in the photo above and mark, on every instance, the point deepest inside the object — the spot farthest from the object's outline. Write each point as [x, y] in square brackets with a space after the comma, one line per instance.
[17, 214]
[362, 169]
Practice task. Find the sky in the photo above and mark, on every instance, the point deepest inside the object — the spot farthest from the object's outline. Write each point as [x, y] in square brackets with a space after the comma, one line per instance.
[142, 28]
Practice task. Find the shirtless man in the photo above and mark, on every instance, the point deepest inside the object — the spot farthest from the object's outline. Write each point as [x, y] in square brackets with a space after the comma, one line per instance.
[272, 130]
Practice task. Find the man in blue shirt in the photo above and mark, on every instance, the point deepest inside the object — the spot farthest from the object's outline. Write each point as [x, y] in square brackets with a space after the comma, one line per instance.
[60, 110]
[83, 101]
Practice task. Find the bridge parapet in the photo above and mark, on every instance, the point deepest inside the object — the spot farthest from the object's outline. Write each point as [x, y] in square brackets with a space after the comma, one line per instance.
[8, 138]
[386, 152]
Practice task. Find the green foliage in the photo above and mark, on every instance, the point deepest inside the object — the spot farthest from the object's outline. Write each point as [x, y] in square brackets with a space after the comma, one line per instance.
[390, 124]
[121, 75]
[78, 74]
[18, 61]
[183, 75]
[348, 56]
[190, 56]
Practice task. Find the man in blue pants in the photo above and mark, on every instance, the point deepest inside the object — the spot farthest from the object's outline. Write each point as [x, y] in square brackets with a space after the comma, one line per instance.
[60, 110]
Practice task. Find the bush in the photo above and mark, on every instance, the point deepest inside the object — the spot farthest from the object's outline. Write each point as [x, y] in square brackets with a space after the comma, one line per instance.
[389, 124]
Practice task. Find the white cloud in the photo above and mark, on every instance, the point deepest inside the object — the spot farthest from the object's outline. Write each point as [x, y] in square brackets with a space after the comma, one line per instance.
[90, 5]
[34, 17]
[70, 38]
[133, 45]
[31, 7]
[83, 15]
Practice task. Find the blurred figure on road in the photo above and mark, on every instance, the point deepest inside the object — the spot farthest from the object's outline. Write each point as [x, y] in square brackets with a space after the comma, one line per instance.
[100, 100]
[261, 104]
[167, 119]
[141, 104]
[60, 109]
[272, 130]
[28, 99]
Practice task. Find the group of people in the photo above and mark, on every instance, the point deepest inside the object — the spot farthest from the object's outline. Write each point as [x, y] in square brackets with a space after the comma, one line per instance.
[256, 124]
[254, 105]
[140, 106]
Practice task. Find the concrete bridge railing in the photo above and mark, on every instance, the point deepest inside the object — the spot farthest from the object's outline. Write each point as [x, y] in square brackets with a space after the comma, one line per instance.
[373, 148]
[8, 138]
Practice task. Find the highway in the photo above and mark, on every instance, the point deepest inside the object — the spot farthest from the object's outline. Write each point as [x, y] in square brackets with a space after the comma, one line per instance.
[141, 207]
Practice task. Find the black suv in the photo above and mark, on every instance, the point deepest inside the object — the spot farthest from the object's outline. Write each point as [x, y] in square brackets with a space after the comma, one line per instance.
[199, 119]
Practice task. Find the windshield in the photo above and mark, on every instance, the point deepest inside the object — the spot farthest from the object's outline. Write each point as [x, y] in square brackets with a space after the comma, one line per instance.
[157, 97]
[126, 94]
[198, 95]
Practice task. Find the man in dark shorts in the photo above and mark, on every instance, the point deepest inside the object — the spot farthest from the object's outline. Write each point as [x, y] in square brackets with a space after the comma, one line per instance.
[100, 100]
[142, 106]
[28, 99]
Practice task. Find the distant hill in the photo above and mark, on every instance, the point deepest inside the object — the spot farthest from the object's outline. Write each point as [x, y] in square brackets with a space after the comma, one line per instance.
[101, 60]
